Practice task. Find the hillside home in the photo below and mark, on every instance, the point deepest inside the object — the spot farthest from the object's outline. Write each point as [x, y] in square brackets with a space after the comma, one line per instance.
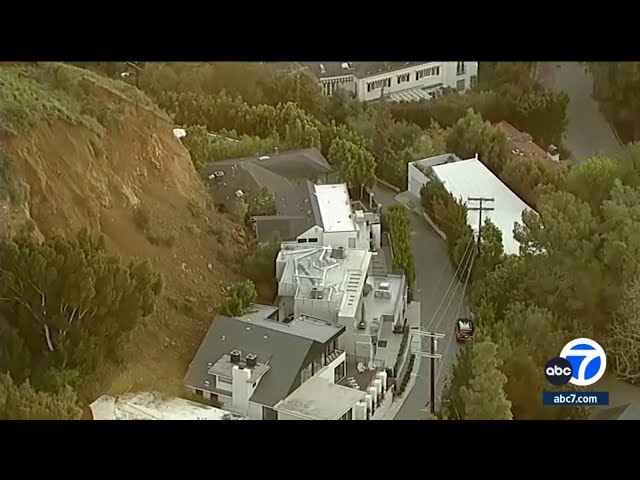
[250, 364]
[398, 81]
[287, 175]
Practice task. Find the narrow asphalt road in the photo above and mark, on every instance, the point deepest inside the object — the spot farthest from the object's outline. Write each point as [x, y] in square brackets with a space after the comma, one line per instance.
[434, 276]
[588, 132]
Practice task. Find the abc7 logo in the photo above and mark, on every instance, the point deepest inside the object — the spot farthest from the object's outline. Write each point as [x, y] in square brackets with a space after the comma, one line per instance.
[558, 371]
[582, 362]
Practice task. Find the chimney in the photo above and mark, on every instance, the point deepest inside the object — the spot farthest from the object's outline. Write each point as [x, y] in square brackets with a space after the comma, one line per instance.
[240, 389]
[251, 360]
[235, 356]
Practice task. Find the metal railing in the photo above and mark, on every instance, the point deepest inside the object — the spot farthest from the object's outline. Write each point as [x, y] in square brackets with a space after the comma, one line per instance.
[335, 354]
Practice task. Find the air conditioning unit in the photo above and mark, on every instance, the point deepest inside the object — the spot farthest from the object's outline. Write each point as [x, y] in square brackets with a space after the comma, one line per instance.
[384, 286]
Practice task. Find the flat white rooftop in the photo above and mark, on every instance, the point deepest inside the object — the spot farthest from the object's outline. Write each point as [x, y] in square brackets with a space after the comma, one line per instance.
[335, 207]
[470, 178]
[320, 399]
[154, 406]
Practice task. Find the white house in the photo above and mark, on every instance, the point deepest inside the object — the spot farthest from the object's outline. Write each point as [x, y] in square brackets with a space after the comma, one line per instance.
[397, 80]
[327, 273]
[470, 178]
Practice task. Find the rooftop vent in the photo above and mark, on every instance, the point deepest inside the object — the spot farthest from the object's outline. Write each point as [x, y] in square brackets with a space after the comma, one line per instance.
[384, 286]
[362, 325]
[239, 193]
[235, 356]
[338, 253]
[219, 173]
[252, 360]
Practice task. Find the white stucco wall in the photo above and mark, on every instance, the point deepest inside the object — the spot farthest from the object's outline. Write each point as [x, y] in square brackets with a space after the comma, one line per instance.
[416, 180]
[340, 239]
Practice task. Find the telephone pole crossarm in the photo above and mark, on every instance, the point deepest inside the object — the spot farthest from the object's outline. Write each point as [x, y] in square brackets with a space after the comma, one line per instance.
[480, 208]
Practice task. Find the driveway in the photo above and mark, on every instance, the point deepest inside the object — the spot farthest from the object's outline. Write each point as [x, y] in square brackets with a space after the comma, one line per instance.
[434, 274]
[588, 132]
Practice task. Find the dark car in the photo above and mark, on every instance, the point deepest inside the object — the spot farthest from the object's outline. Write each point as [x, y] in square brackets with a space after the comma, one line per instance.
[464, 329]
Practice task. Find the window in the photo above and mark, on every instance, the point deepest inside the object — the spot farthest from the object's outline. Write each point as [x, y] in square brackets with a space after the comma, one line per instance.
[306, 373]
[474, 80]
[405, 77]
[199, 393]
[313, 240]
[461, 68]
[317, 365]
[460, 85]
[339, 372]
[347, 416]
[302, 240]
[269, 414]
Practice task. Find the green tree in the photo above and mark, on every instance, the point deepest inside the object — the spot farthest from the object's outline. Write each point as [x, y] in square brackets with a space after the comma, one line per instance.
[68, 303]
[562, 244]
[198, 142]
[491, 252]
[484, 397]
[356, 165]
[615, 86]
[629, 165]
[543, 114]
[623, 335]
[24, 403]
[531, 177]
[299, 88]
[472, 135]
[592, 180]
[239, 297]
[261, 202]
[260, 265]
[396, 221]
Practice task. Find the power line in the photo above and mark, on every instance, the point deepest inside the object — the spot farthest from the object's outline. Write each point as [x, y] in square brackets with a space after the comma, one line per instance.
[466, 282]
[453, 279]
[467, 265]
[480, 208]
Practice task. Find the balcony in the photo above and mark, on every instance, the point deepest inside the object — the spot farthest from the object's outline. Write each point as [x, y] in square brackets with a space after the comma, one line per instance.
[334, 355]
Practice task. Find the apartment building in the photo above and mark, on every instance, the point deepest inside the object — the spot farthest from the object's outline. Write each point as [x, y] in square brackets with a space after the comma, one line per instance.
[398, 81]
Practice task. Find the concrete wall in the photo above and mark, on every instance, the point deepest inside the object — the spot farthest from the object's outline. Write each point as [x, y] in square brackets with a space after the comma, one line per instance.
[255, 411]
[340, 239]
[288, 416]
[417, 180]
[377, 235]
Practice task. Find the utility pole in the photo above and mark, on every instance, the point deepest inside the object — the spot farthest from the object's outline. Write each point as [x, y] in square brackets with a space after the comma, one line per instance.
[431, 354]
[480, 208]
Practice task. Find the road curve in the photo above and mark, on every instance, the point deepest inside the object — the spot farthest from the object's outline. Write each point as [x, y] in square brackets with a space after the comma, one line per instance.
[588, 132]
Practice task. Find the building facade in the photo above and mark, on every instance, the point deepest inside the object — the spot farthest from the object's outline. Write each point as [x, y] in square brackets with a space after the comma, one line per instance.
[396, 80]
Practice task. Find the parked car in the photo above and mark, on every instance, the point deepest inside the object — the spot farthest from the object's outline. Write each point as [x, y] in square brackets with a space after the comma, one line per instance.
[464, 329]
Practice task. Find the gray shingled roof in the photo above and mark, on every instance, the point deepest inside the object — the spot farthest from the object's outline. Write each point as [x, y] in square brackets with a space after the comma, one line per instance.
[358, 69]
[285, 175]
[287, 227]
[284, 350]
[630, 411]
[304, 163]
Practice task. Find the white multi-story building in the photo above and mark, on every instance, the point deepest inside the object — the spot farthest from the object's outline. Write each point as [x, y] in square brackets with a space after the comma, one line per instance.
[399, 81]
[327, 273]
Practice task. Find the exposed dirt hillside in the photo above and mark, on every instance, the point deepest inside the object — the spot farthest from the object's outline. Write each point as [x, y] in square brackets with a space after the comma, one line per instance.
[96, 153]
